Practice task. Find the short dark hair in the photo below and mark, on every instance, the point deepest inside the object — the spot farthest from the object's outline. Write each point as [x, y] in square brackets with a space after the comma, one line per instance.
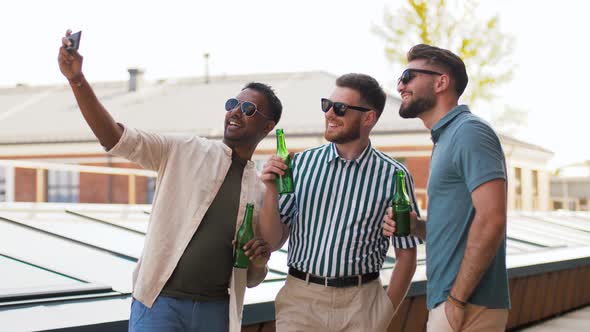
[273, 101]
[444, 58]
[371, 92]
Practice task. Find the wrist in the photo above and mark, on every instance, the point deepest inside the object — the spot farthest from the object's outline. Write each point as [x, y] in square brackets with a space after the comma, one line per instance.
[456, 302]
[271, 187]
[76, 80]
[257, 265]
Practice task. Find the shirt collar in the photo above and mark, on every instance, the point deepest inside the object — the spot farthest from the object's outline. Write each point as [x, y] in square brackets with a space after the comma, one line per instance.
[333, 153]
[439, 127]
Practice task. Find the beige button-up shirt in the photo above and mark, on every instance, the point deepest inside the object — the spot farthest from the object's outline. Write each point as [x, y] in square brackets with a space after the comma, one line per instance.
[190, 173]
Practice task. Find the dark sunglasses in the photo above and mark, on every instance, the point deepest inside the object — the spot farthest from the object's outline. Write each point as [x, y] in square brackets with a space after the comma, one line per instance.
[340, 108]
[248, 108]
[410, 73]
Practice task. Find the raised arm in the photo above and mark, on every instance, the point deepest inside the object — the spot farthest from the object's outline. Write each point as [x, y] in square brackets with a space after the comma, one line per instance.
[271, 228]
[100, 121]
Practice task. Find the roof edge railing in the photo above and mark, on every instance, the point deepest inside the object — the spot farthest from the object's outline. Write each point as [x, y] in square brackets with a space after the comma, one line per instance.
[42, 167]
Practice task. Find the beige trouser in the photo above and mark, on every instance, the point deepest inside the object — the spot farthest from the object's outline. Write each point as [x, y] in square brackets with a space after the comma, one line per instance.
[477, 318]
[317, 308]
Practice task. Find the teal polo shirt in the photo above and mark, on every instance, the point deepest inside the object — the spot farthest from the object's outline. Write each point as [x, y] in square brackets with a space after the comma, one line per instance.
[466, 154]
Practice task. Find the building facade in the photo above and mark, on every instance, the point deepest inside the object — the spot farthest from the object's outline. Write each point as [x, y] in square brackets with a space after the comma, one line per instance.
[194, 106]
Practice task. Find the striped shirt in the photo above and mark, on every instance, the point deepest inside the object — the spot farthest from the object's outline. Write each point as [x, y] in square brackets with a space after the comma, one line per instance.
[336, 213]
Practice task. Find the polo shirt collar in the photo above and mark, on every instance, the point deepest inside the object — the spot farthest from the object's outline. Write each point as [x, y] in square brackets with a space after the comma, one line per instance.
[439, 127]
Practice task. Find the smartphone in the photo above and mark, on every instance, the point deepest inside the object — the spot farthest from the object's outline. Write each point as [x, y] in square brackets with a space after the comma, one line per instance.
[74, 41]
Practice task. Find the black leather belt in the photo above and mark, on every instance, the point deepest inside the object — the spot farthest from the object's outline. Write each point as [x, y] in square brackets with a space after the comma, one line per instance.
[339, 282]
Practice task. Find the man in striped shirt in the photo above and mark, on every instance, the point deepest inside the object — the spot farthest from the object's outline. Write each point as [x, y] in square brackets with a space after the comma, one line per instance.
[333, 221]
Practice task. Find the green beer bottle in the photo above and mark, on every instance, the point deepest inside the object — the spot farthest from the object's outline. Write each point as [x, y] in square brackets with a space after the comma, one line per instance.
[245, 234]
[401, 205]
[284, 182]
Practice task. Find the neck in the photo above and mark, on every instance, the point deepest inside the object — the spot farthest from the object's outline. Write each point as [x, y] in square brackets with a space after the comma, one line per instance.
[352, 150]
[244, 152]
[432, 116]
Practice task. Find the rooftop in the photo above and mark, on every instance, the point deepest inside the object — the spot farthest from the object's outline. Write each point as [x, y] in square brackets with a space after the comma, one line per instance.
[183, 106]
[71, 264]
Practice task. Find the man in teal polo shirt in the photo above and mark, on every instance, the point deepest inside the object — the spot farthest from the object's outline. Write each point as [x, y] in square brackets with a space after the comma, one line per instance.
[467, 287]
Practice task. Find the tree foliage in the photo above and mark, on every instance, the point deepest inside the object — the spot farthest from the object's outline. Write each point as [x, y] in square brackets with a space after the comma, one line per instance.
[453, 25]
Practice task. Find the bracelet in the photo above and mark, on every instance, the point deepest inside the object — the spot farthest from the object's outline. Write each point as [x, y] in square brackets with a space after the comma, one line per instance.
[456, 302]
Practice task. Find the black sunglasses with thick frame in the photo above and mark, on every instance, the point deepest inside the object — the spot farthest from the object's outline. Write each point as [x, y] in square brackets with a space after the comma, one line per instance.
[340, 108]
[247, 107]
[408, 74]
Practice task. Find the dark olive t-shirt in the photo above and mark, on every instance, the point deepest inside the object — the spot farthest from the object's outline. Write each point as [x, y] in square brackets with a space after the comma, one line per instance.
[204, 270]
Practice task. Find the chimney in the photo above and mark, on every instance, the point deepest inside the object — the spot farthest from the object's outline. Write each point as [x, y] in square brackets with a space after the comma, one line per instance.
[135, 79]
[206, 76]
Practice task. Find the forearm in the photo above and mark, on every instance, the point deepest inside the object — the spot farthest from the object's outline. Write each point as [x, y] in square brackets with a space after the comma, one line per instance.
[483, 240]
[100, 121]
[402, 274]
[256, 274]
[271, 228]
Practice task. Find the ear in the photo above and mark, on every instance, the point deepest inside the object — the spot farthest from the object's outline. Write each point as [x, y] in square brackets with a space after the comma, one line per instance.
[442, 83]
[270, 124]
[370, 119]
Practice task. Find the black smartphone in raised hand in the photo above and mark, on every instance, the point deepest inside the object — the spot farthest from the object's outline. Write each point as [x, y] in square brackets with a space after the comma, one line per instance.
[74, 41]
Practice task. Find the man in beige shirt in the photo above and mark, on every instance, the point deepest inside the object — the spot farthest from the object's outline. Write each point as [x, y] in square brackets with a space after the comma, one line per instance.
[184, 279]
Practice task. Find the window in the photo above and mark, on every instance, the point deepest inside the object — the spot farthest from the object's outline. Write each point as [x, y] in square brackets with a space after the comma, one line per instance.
[63, 186]
[2, 184]
[518, 188]
[151, 190]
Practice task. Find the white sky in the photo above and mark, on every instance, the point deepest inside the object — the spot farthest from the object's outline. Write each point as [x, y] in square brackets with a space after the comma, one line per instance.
[168, 39]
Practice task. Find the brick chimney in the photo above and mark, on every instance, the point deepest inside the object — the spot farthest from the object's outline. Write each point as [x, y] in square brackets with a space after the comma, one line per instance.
[135, 79]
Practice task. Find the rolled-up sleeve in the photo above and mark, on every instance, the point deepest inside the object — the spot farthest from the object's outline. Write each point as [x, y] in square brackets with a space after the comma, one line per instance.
[148, 150]
[287, 208]
[405, 242]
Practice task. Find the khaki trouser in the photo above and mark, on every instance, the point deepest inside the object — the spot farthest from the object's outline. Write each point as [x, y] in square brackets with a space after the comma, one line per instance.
[315, 308]
[477, 318]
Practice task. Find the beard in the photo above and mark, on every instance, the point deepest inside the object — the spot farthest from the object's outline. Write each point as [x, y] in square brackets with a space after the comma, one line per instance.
[416, 107]
[353, 132]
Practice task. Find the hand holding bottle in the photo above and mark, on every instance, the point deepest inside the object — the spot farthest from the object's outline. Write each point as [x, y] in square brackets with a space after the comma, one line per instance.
[258, 251]
[273, 168]
[389, 224]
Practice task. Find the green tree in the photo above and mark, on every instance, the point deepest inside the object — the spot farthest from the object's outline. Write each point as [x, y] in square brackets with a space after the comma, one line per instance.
[453, 25]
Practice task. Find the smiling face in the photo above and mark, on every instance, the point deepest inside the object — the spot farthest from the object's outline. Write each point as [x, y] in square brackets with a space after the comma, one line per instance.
[418, 95]
[347, 128]
[240, 129]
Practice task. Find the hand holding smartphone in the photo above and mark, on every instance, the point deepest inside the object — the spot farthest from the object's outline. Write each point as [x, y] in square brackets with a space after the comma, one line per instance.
[74, 41]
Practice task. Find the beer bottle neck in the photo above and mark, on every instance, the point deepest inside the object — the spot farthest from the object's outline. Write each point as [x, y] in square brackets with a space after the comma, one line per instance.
[281, 146]
[400, 185]
[248, 214]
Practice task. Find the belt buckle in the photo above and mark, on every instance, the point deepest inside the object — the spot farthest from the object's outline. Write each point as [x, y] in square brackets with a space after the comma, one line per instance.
[326, 279]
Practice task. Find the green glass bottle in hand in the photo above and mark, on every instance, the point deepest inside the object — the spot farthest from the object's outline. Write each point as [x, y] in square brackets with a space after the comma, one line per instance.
[284, 182]
[401, 205]
[245, 234]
